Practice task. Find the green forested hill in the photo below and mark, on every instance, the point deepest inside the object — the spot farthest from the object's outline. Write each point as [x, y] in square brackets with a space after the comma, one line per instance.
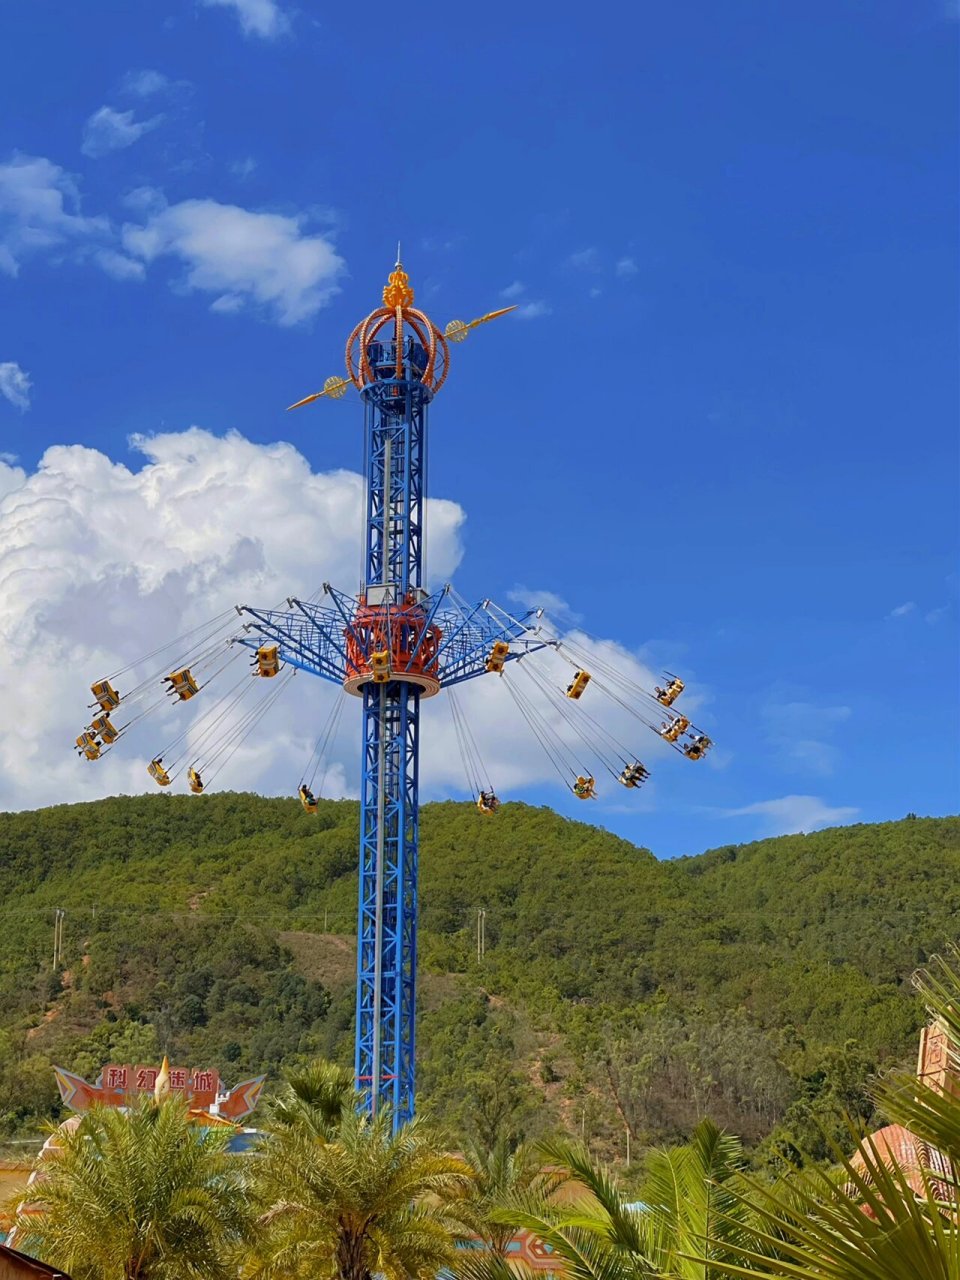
[761, 983]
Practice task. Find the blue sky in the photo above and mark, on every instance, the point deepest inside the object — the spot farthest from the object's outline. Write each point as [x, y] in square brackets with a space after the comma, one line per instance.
[722, 426]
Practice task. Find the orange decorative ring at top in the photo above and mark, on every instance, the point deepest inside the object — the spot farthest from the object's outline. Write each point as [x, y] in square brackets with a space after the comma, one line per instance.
[398, 308]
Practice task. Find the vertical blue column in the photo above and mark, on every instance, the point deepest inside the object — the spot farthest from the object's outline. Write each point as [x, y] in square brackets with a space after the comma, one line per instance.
[387, 919]
[395, 414]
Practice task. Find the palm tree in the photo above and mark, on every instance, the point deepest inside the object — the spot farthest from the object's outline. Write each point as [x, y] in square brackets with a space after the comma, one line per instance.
[141, 1194]
[593, 1233]
[688, 1198]
[313, 1099]
[693, 1216]
[503, 1173]
[364, 1201]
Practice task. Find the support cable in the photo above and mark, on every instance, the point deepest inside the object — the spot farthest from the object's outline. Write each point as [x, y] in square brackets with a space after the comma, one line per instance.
[254, 717]
[599, 741]
[473, 765]
[322, 744]
[542, 734]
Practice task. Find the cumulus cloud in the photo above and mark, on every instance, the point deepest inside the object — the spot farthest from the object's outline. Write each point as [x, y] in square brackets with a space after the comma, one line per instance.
[626, 267]
[15, 385]
[111, 130]
[263, 18]
[40, 211]
[100, 562]
[790, 814]
[902, 610]
[205, 523]
[119, 265]
[266, 260]
[514, 290]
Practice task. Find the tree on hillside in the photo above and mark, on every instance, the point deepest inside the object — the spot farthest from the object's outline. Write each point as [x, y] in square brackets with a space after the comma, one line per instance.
[359, 1203]
[142, 1194]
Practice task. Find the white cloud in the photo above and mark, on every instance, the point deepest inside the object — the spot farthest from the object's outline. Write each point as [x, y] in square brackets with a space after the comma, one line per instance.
[15, 386]
[263, 18]
[144, 200]
[533, 310]
[513, 290]
[11, 476]
[548, 601]
[110, 130]
[790, 814]
[626, 267]
[40, 211]
[119, 265]
[144, 84]
[263, 259]
[935, 615]
[810, 755]
[204, 523]
[902, 610]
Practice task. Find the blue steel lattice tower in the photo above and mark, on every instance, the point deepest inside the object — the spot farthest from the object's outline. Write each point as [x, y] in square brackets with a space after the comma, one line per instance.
[392, 645]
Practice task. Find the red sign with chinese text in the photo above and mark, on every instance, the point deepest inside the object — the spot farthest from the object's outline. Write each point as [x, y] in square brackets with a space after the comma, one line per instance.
[201, 1086]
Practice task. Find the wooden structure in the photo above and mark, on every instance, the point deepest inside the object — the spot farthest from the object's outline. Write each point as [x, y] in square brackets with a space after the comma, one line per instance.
[18, 1266]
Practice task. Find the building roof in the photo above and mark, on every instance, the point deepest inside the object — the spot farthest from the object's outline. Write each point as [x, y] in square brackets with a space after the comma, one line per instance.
[14, 1264]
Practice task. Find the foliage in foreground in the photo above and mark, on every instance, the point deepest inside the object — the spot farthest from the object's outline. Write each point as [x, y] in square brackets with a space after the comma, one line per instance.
[140, 1195]
[702, 1218]
[149, 1196]
[369, 1202]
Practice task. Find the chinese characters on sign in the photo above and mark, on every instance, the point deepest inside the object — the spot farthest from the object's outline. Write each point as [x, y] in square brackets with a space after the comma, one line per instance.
[199, 1085]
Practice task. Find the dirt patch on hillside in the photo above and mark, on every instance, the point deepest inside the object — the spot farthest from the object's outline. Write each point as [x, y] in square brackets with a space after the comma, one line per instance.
[329, 958]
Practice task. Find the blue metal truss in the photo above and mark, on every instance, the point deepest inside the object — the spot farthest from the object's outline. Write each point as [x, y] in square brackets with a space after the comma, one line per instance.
[313, 636]
[334, 639]
[387, 916]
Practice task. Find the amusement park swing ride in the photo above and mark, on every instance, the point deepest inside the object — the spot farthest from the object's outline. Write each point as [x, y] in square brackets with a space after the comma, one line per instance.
[391, 646]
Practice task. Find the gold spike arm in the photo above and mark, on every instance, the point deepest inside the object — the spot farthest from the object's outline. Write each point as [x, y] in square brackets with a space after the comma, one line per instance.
[456, 330]
[333, 387]
[492, 315]
[306, 400]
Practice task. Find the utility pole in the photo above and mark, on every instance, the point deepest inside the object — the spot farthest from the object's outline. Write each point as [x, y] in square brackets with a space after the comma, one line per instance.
[58, 915]
[481, 934]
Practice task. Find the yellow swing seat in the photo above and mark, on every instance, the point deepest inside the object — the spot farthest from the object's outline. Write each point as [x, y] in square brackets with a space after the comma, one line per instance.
[308, 800]
[88, 746]
[158, 773]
